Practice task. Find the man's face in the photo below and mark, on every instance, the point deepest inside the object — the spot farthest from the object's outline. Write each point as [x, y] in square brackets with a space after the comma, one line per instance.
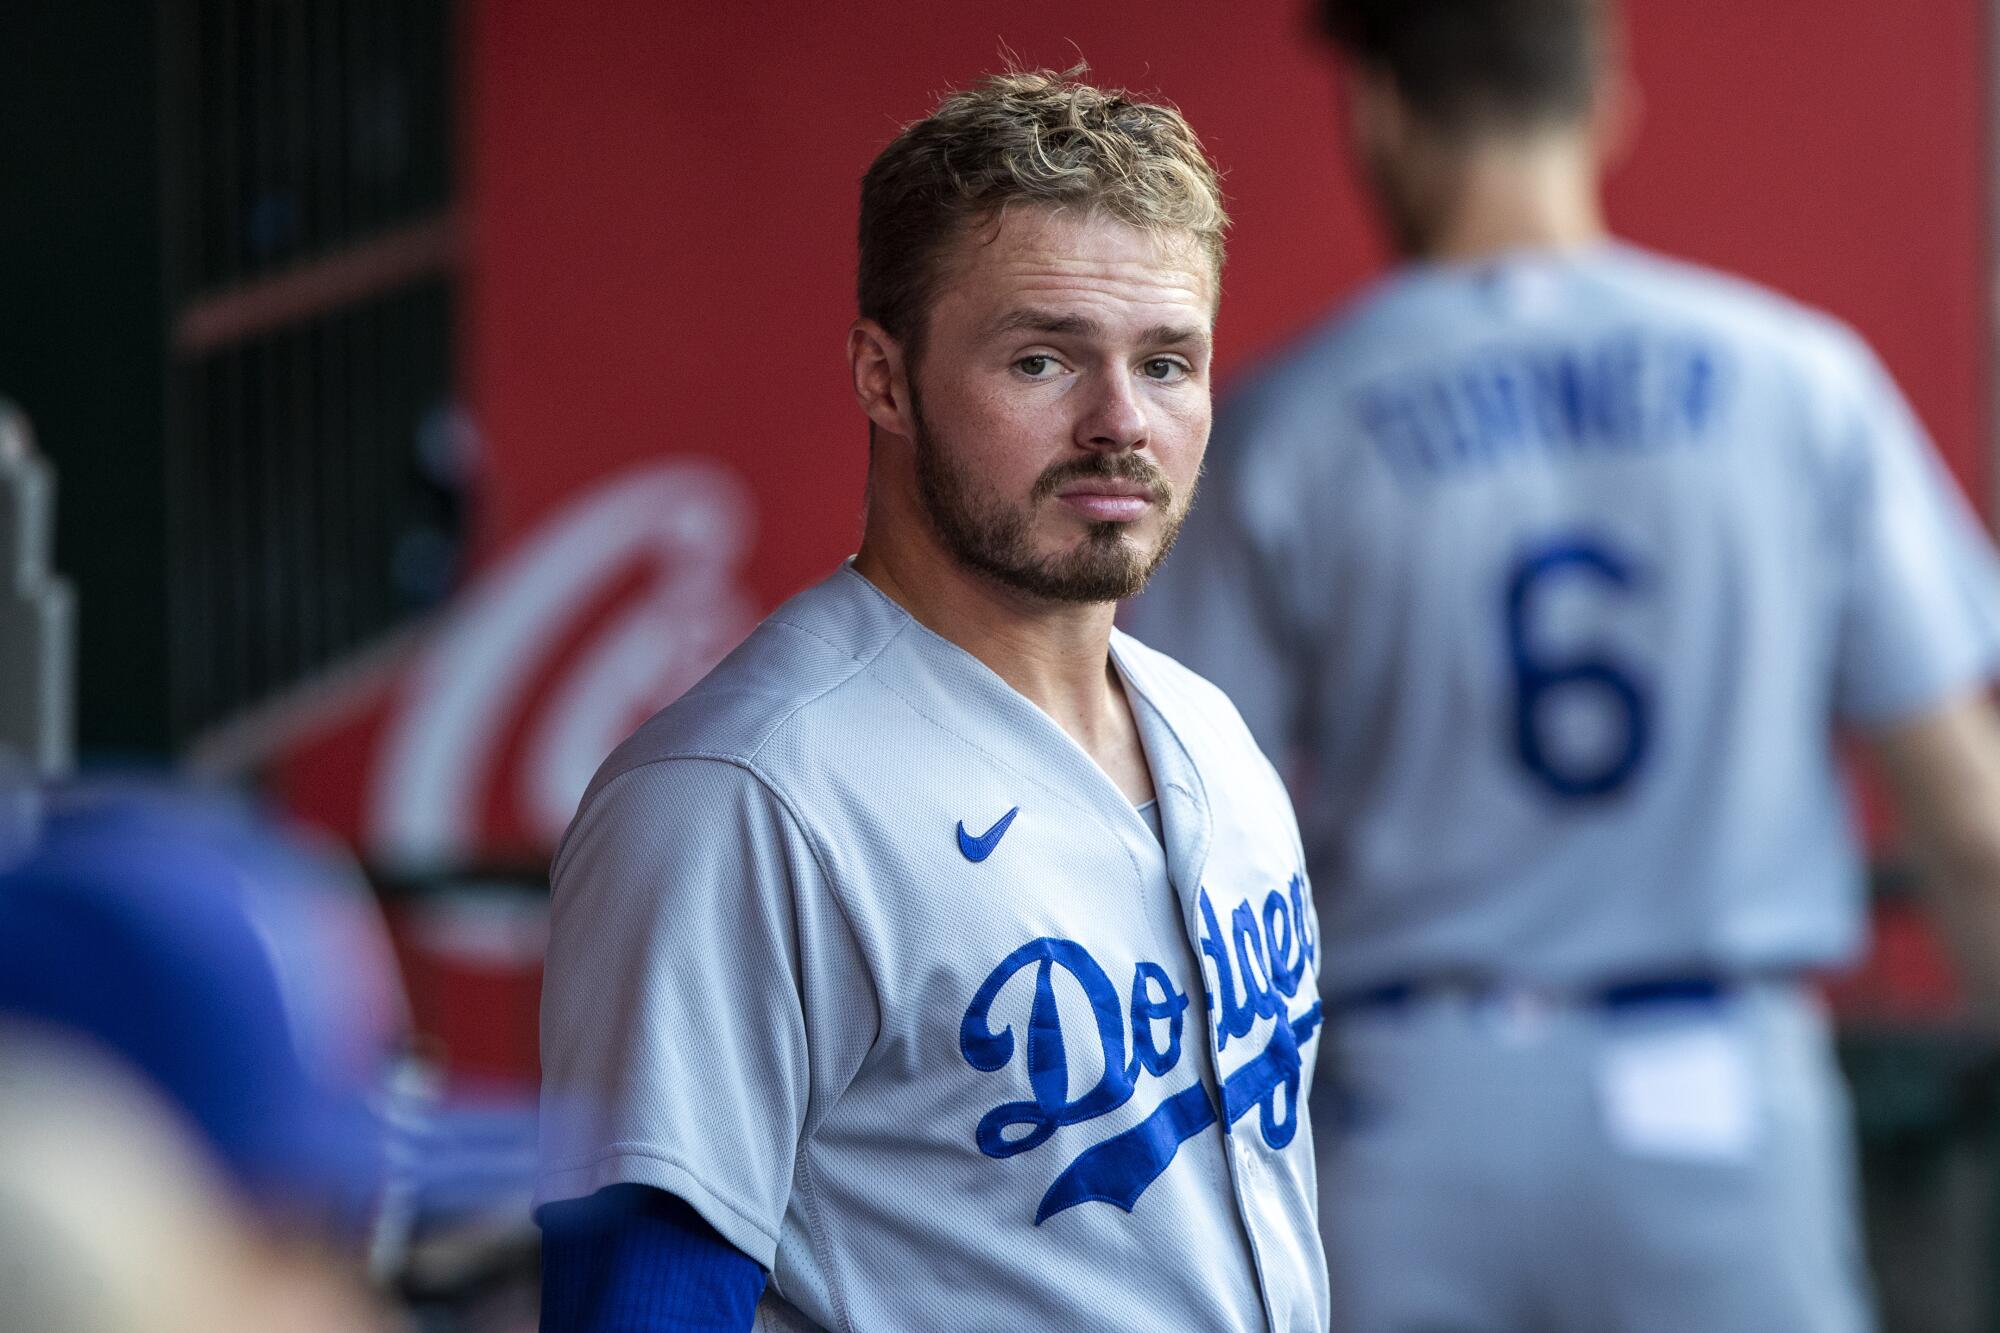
[1062, 400]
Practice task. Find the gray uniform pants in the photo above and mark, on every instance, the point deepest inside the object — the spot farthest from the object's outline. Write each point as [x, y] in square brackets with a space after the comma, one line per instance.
[1521, 1167]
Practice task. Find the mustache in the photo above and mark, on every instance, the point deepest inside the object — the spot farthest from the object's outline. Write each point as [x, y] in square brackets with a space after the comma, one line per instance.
[1104, 467]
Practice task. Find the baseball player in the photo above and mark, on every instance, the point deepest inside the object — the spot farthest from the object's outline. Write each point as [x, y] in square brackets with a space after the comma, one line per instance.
[1551, 567]
[945, 959]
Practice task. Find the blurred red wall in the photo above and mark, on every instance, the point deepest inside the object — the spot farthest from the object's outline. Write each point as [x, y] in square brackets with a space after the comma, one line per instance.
[663, 203]
[1838, 151]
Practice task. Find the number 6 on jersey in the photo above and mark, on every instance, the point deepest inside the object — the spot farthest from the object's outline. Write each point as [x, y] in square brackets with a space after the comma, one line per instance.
[1540, 681]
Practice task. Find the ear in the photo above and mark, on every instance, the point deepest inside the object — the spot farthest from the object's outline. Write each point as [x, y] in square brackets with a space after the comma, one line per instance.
[881, 381]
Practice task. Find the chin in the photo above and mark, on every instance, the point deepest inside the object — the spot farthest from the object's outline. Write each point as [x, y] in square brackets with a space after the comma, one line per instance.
[1110, 564]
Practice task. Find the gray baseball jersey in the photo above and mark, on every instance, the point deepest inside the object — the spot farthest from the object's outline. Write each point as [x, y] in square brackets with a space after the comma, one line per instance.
[856, 951]
[1562, 570]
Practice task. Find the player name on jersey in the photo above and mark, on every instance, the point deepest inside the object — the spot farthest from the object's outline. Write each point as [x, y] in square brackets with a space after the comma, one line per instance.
[1628, 391]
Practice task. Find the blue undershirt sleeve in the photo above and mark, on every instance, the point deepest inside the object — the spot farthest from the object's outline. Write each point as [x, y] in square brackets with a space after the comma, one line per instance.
[633, 1259]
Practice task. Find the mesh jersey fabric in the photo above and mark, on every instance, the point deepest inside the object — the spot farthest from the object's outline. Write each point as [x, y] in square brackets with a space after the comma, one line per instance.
[857, 952]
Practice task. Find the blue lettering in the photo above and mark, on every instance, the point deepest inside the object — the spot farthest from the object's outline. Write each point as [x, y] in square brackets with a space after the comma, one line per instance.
[1557, 396]
[1626, 391]
[1118, 1170]
[1455, 441]
[1494, 397]
[1171, 1005]
[1277, 1070]
[1621, 422]
[1250, 961]
[1698, 388]
[1272, 957]
[1291, 951]
[1390, 424]
[1048, 1067]
[1235, 1017]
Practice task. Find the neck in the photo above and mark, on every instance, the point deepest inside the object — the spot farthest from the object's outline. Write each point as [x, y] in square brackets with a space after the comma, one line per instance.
[1056, 654]
[1534, 193]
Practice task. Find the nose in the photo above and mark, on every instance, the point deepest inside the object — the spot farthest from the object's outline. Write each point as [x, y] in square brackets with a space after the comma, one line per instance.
[1115, 421]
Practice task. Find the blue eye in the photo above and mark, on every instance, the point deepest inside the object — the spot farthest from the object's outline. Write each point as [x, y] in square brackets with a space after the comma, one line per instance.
[1165, 369]
[1034, 366]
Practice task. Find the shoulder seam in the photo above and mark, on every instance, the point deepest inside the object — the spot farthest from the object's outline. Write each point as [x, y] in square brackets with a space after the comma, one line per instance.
[860, 664]
[749, 765]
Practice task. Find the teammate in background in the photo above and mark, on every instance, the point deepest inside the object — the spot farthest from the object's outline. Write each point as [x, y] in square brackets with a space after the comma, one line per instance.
[882, 961]
[1553, 567]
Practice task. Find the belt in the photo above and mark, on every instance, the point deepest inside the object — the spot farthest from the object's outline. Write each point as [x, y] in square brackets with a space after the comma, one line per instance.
[1632, 993]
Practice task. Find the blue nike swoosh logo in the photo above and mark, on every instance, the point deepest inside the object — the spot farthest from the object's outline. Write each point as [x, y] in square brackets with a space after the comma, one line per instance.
[981, 847]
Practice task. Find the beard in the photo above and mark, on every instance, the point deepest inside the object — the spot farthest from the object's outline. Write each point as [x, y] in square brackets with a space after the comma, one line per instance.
[989, 536]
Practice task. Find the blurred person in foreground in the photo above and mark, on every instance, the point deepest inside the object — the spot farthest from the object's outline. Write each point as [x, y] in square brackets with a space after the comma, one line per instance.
[882, 961]
[242, 981]
[1553, 568]
[113, 1217]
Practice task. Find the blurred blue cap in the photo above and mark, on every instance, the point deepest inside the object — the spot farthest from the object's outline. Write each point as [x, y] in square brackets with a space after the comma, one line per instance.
[242, 972]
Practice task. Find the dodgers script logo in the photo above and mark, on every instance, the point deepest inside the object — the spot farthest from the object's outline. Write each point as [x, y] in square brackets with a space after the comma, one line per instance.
[1259, 966]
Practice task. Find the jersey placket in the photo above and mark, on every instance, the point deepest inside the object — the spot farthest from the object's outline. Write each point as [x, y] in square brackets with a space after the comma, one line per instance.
[1184, 816]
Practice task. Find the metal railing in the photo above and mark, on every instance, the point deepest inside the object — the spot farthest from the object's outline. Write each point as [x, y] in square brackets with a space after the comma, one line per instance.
[37, 614]
[313, 479]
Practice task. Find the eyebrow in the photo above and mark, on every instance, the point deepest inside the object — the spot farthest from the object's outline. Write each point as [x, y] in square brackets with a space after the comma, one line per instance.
[1046, 321]
[1173, 335]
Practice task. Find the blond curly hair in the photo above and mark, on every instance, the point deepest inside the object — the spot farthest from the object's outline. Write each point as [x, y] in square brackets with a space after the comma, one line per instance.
[1036, 137]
